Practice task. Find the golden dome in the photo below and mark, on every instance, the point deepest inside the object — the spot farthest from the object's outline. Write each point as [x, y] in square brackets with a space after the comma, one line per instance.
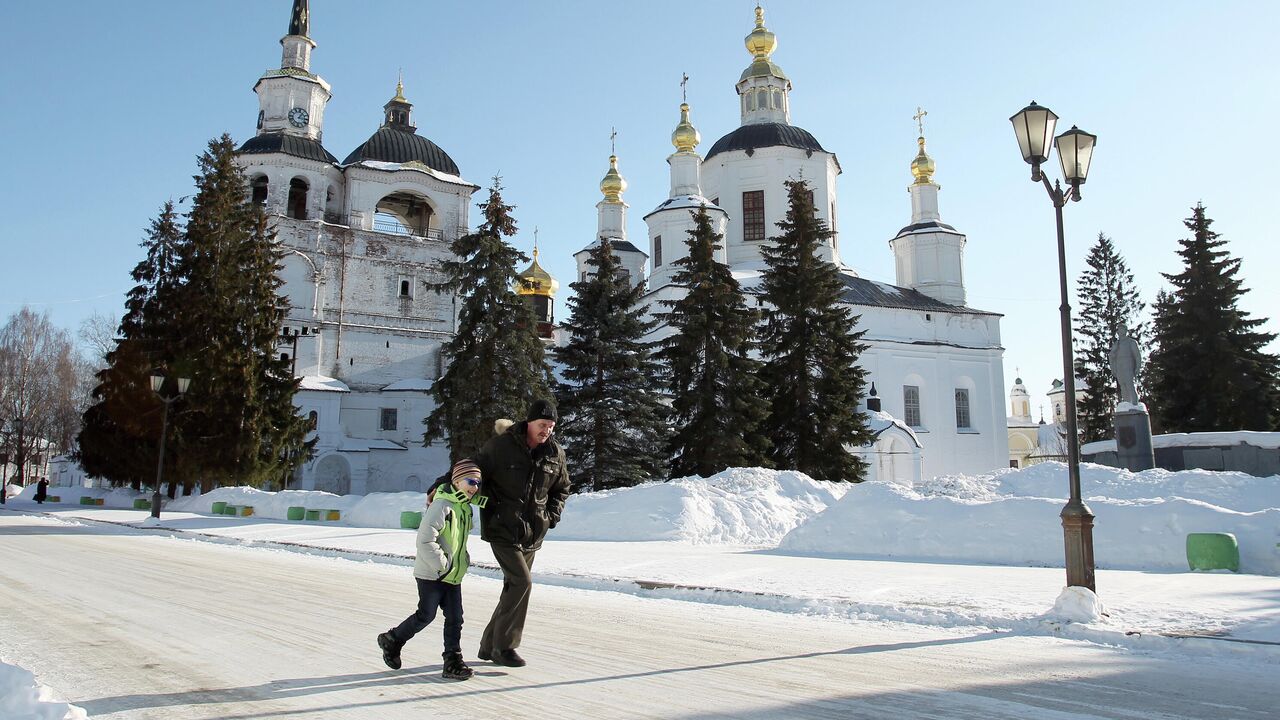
[533, 280]
[685, 137]
[613, 185]
[400, 91]
[922, 167]
[761, 43]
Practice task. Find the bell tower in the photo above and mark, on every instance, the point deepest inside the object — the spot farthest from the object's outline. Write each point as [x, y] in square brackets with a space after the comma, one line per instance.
[291, 100]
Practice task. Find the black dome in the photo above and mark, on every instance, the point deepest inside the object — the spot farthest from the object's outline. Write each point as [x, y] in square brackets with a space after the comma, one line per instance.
[763, 135]
[289, 145]
[400, 146]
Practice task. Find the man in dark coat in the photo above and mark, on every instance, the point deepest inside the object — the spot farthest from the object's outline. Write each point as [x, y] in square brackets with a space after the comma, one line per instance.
[527, 481]
[42, 490]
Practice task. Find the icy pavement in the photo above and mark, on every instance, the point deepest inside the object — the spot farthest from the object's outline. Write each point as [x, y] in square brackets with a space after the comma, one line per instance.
[1216, 613]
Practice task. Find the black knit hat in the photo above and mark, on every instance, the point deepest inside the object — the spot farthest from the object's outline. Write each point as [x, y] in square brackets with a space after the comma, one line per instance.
[542, 410]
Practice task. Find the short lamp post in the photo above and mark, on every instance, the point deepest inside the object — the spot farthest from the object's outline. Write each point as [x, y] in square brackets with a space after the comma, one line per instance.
[158, 387]
[1033, 126]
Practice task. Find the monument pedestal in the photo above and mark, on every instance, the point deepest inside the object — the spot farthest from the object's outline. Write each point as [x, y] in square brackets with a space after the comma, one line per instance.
[1133, 437]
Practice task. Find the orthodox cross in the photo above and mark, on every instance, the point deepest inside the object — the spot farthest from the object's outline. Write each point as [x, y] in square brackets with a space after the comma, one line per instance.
[613, 141]
[919, 118]
[535, 242]
[684, 81]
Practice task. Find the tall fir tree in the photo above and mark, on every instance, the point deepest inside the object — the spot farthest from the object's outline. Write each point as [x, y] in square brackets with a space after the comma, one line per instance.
[496, 363]
[612, 423]
[811, 345]
[716, 396]
[207, 307]
[1108, 298]
[1209, 369]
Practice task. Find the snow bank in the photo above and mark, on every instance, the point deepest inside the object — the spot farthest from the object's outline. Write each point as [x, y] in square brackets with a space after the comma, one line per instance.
[740, 506]
[1231, 490]
[889, 521]
[375, 510]
[21, 698]
[1077, 604]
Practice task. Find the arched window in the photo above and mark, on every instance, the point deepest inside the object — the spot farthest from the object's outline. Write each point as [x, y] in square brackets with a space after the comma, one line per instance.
[762, 99]
[751, 100]
[777, 99]
[313, 419]
[405, 213]
[298, 198]
[259, 189]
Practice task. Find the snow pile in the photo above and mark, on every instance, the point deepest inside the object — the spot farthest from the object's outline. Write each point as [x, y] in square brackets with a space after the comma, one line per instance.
[111, 497]
[375, 510]
[889, 521]
[739, 506]
[1232, 490]
[1078, 605]
[21, 698]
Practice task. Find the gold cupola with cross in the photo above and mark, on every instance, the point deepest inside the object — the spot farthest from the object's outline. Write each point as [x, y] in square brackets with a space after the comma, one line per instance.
[537, 288]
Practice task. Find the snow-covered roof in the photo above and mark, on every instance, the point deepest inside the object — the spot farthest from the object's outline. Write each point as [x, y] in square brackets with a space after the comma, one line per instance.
[414, 166]
[322, 384]
[1269, 440]
[879, 422]
[410, 384]
[689, 202]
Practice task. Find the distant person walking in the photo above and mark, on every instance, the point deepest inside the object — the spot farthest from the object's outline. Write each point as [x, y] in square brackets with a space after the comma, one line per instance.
[440, 564]
[42, 490]
[527, 482]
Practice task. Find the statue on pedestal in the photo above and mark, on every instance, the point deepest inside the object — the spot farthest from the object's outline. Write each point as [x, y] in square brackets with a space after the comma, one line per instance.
[1126, 359]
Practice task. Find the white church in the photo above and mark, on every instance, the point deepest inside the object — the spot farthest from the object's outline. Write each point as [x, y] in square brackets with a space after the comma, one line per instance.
[363, 234]
[934, 364]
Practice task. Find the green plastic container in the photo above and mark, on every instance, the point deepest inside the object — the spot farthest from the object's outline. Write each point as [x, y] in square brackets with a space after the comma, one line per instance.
[1213, 551]
[231, 510]
[410, 520]
[141, 504]
[86, 500]
[313, 515]
[219, 507]
[297, 513]
[53, 498]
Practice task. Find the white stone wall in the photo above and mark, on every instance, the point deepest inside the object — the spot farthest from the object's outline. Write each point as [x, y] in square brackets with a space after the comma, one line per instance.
[673, 227]
[729, 174]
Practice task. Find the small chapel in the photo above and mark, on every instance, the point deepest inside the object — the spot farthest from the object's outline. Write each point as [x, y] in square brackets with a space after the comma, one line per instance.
[935, 364]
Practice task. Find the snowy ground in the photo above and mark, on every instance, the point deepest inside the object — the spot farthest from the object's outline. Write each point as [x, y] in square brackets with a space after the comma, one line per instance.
[960, 552]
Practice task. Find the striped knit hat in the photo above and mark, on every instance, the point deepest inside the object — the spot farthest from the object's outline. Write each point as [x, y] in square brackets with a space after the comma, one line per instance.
[465, 468]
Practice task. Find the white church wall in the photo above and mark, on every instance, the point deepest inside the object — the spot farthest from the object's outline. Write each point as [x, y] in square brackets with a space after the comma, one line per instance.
[729, 174]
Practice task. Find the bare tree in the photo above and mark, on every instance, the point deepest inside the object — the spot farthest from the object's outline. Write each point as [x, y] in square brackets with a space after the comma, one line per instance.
[97, 336]
[42, 380]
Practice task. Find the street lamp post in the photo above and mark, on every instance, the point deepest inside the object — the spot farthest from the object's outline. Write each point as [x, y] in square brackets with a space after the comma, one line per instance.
[1033, 126]
[157, 386]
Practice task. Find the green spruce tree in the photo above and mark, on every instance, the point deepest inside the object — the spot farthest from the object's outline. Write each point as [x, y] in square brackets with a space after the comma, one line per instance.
[496, 364]
[1108, 298]
[612, 423]
[811, 347]
[716, 400]
[1209, 369]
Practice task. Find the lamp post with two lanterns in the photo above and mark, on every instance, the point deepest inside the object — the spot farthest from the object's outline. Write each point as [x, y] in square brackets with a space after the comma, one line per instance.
[158, 386]
[1034, 126]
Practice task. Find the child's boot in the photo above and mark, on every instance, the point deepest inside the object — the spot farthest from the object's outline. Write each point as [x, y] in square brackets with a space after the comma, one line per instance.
[390, 650]
[455, 668]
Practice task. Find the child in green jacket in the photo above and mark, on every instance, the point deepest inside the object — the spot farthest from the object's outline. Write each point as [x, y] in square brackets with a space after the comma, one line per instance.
[438, 569]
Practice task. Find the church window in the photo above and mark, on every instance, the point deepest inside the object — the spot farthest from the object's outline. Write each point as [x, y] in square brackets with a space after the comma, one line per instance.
[298, 198]
[753, 215]
[777, 99]
[387, 419]
[313, 419]
[259, 185]
[963, 420]
[624, 276]
[657, 250]
[911, 405]
[751, 100]
[762, 99]
[406, 287]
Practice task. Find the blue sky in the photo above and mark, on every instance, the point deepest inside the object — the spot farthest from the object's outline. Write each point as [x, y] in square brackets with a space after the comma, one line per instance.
[107, 106]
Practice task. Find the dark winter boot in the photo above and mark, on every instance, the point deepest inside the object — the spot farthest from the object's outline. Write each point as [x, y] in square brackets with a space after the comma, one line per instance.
[390, 650]
[455, 668]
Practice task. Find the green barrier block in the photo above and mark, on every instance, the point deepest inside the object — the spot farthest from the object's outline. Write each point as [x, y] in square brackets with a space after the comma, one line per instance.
[86, 500]
[141, 504]
[53, 498]
[297, 513]
[313, 514]
[410, 520]
[1213, 551]
[219, 507]
[231, 510]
